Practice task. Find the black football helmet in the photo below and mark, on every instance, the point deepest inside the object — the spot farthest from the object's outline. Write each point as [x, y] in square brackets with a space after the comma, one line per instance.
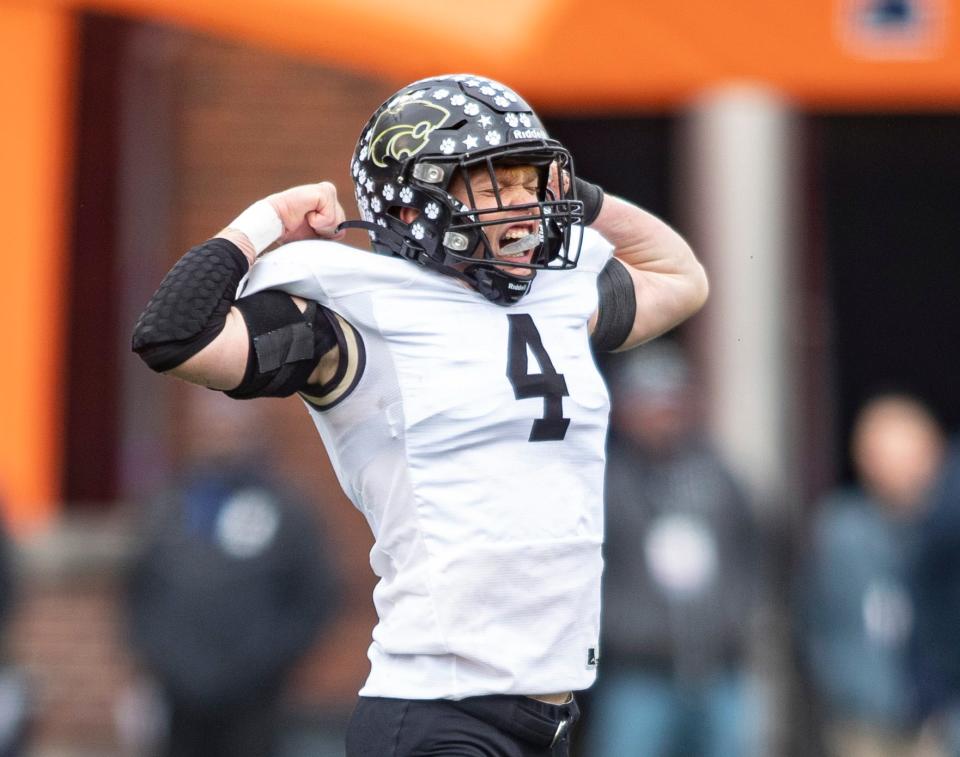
[438, 129]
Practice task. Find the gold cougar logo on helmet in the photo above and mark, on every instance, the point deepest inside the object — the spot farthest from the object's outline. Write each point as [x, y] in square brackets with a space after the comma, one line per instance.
[407, 139]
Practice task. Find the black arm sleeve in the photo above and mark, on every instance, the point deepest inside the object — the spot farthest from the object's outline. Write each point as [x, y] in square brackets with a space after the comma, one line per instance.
[285, 344]
[190, 308]
[592, 196]
[617, 309]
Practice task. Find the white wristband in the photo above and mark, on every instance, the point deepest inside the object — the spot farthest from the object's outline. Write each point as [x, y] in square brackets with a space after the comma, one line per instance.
[260, 223]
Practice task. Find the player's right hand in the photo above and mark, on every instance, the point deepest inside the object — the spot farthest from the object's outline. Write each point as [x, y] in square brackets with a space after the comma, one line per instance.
[309, 211]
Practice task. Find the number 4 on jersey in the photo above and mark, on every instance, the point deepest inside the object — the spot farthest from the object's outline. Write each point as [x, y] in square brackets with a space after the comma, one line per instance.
[547, 384]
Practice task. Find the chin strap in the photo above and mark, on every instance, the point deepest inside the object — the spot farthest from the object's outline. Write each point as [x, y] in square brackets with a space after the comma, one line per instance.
[395, 241]
[491, 282]
[497, 286]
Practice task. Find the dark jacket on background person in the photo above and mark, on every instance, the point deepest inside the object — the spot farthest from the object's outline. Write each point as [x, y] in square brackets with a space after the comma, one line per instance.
[680, 576]
[857, 611]
[229, 590]
[935, 583]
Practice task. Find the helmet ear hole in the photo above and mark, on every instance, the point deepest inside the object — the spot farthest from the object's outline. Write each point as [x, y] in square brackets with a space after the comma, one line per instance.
[405, 214]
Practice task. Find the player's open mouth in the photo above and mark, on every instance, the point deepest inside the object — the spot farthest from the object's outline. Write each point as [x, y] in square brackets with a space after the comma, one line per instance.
[518, 240]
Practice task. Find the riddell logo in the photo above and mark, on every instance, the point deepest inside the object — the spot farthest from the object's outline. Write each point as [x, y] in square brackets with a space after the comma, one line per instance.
[529, 134]
[517, 287]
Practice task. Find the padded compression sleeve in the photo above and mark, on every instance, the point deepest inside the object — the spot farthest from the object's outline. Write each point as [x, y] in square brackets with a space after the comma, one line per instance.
[617, 309]
[190, 308]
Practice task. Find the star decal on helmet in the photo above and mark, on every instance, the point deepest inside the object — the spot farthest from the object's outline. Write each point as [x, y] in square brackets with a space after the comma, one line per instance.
[470, 142]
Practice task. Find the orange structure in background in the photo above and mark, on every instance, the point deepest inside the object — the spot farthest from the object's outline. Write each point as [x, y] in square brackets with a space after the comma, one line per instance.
[604, 56]
[36, 45]
[610, 54]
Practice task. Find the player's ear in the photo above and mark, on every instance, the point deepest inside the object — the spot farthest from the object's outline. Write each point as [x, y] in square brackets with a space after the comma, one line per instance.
[408, 215]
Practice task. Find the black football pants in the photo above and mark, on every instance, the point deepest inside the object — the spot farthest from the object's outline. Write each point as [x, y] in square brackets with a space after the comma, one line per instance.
[491, 726]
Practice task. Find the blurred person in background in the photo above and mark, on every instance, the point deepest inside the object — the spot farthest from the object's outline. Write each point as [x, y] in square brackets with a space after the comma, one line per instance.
[858, 609]
[680, 577]
[935, 584]
[227, 592]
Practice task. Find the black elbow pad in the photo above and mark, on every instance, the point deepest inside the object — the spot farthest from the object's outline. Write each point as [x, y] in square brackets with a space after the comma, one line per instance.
[285, 344]
[617, 307]
[190, 307]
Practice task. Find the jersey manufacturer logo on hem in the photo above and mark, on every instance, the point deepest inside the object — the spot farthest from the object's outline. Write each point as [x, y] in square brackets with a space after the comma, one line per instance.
[593, 657]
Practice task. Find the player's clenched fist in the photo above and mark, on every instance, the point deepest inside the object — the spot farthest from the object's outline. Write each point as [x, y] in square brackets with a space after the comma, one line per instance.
[308, 211]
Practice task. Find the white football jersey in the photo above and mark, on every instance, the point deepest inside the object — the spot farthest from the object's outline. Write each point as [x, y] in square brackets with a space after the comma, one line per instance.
[472, 437]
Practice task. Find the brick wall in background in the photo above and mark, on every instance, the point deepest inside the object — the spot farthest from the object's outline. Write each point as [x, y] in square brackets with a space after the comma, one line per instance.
[253, 123]
[67, 642]
[246, 123]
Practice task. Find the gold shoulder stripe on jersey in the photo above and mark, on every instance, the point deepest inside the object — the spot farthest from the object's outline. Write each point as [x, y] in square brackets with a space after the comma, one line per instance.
[351, 346]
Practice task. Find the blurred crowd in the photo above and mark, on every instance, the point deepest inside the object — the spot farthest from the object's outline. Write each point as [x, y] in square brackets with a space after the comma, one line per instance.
[872, 592]
[230, 585]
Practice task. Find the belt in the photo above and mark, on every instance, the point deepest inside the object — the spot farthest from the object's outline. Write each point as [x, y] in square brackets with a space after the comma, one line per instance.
[537, 722]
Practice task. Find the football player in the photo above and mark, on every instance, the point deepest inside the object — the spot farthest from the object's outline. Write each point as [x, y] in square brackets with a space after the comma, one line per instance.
[452, 380]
